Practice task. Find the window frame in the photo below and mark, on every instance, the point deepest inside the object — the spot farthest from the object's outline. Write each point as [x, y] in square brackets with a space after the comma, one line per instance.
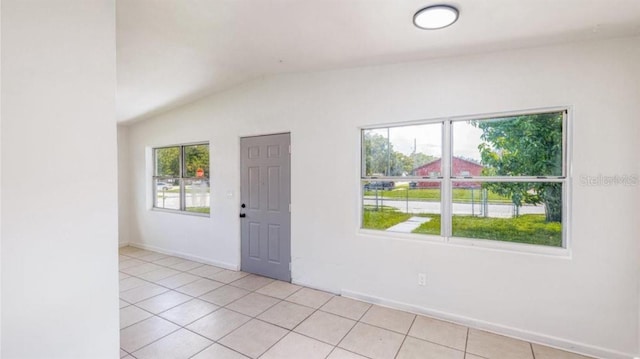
[447, 179]
[180, 177]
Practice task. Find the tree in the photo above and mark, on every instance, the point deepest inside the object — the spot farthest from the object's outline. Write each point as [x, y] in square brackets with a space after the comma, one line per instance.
[168, 161]
[528, 145]
[376, 149]
[196, 157]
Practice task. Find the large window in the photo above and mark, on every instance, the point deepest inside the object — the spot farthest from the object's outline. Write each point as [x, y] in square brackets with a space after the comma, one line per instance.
[499, 178]
[181, 178]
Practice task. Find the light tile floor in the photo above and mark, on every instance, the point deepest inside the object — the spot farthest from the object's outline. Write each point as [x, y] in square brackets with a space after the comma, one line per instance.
[175, 308]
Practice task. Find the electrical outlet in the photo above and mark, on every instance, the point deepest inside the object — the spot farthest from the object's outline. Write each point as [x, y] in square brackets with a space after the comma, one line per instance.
[422, 279]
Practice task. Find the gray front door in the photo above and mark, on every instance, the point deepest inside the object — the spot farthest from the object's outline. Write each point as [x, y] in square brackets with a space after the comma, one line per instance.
[265, 193]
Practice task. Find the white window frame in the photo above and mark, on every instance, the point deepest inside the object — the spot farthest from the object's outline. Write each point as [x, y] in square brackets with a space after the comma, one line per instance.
[180, 177]
[446, 181]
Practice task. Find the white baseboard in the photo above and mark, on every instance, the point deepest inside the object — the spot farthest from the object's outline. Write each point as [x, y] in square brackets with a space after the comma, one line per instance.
[313, 286]
[190, 257]
[547, 340]
[122, 244]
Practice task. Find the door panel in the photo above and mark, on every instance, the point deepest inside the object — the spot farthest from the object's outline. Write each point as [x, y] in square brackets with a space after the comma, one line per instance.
[265, 191]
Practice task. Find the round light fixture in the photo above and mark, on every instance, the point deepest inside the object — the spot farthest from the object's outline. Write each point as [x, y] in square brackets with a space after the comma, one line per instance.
[435, 17]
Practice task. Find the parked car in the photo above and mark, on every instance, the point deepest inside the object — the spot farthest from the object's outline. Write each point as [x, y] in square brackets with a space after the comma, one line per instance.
[388, 185]
[164, 186]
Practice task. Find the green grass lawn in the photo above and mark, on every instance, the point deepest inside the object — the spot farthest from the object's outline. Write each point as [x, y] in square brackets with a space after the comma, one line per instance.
[527, 228]
[199, 209]
[382, 219]
[433, 194]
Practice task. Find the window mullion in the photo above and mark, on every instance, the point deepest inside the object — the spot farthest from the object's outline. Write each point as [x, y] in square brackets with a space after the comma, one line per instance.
[182, 187]
[446, 195]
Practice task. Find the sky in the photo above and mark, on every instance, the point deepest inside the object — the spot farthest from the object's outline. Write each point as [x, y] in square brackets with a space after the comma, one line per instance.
[428, 139]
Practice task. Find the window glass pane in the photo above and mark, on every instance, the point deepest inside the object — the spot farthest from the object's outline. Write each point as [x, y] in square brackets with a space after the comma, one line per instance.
[167, 193]
[509, 211]
[403, 151]
[401, 207]
[196, 161]
[197, 195]
[526, 145]
[167, 161]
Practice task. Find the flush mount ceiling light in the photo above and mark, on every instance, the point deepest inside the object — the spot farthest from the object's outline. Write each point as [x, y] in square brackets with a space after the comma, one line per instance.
[435, 17]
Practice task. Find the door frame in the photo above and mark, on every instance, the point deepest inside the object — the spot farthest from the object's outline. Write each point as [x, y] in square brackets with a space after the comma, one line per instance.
[239, 197]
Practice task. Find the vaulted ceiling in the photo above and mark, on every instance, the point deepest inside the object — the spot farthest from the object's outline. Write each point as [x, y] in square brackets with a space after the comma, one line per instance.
[170, 52]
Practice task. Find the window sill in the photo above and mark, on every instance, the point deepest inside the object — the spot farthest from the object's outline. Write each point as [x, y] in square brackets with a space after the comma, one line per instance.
[403, 236]
[186, 213]
[510, 246]
[485, 244]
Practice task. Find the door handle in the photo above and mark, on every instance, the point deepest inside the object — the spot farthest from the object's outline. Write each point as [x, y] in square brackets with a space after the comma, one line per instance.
[242, 215]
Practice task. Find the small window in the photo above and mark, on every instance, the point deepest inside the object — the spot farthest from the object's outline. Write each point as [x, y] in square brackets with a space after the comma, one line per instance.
[502, 178]
[181, 178]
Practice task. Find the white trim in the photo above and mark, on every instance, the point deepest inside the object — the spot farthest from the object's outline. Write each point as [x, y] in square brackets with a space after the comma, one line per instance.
[181, 144]
[480, 244]
[122, 244]
[148, 176]
[177, 211]
[181, 177]
[511, 246]
[447, 179]
[483, 116]
[190, 257]
[567, 187]
[431, 238]
[533, 337]
[446, 190]
[313, 286]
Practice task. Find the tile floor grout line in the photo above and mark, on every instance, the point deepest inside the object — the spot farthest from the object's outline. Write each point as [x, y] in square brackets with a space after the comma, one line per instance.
[533, 354]
[429, 341]
[185, 326]
[175, 331]
[125, 352]
[203, 349]
[289, 331]
[466, 342]
[156, 295]
[253, 317]
[192, 265]
[405, 337]
[354, 325]
[191, 298]
[164, 336]
[234, 350]
[256, 317]
[176, 288]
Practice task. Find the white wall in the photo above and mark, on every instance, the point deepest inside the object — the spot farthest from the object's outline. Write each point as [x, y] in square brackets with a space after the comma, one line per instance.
[0, 179]
[587, 302]
[59, 185]
[123, 186]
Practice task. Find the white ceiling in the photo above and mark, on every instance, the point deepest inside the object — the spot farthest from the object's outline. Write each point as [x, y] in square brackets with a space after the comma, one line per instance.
[170, 52]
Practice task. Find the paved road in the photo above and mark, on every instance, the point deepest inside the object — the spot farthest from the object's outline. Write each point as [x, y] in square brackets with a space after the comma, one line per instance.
[172, 200]
[495, 210]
